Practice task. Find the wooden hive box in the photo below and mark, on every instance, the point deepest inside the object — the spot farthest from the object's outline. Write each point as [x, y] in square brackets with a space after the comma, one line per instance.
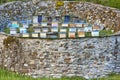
[25, 35]
[43, 35]
[71, 35]
[35, 35]
[81, 34]
[62, 35]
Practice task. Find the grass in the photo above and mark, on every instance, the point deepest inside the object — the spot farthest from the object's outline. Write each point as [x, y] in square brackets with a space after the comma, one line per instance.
[112, 76]
[111, 3]
[7, 75]
[106, 33]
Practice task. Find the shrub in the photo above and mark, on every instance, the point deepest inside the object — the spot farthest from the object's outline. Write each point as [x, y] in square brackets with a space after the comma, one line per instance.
[106, 33]
[7, 30]
[88, 34]
[30, 30]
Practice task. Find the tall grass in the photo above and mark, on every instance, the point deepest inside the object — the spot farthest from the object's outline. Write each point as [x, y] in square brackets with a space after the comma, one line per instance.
[7, 75]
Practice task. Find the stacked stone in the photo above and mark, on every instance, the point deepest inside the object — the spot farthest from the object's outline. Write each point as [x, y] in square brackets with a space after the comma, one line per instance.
[87, 57]
[93, 13]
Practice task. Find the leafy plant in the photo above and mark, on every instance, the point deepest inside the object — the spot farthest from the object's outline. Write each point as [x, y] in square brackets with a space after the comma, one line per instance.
[106, 33]
[7, 30]
[18, 30]
[88, 34]
[30, 30]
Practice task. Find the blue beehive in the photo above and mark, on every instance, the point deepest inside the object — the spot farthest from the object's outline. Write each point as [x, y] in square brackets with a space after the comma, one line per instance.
[66, 19]
[23, 30]
[40, 19]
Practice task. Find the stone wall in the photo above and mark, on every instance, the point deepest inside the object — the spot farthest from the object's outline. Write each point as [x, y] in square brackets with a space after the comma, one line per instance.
[96, 14]
[87, 57]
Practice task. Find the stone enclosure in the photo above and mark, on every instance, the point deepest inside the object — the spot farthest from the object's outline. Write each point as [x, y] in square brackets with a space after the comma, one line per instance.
[87, 57]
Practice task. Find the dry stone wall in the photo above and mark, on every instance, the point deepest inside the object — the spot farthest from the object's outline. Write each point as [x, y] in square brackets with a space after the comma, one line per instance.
[96, 14]
[87, 57]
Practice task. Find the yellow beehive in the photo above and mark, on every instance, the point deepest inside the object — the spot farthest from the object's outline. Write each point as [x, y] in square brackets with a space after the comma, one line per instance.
[81, 34]
[62, 35]
[34, 35]
[25, 35]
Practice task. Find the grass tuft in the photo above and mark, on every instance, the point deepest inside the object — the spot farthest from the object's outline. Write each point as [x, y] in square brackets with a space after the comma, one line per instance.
[7, 75]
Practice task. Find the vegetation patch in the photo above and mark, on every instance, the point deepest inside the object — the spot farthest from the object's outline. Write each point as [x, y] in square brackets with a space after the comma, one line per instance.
[106, 33]
[88, 34]
[10, 40]
[7, 30]
[7, 75]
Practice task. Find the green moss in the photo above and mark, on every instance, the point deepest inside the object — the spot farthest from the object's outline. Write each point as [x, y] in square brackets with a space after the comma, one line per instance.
[10, 40]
